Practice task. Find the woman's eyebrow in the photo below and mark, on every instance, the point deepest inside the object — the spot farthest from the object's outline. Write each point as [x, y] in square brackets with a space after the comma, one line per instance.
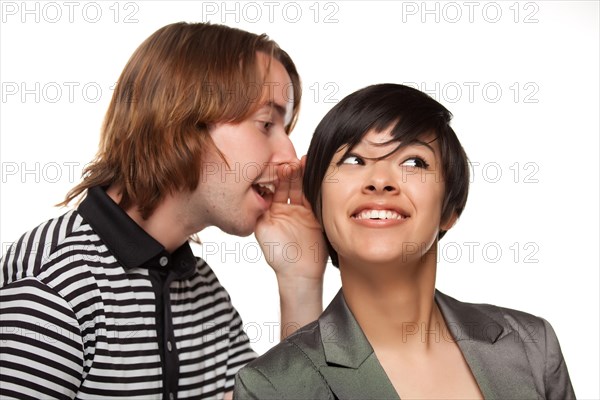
[400, 146]
[418, 142]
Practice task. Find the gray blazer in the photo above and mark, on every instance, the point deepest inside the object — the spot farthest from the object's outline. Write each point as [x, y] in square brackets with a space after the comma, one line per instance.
[513, 355]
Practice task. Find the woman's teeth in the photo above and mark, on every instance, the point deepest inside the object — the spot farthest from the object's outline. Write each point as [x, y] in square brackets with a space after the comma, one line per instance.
[378, 214]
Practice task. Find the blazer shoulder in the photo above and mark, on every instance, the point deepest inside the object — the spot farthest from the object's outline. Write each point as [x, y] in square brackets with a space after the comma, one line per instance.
[542, 348]
[513, 330]
[303, 348]
[524, 324]
[292, 366]
[531, 329]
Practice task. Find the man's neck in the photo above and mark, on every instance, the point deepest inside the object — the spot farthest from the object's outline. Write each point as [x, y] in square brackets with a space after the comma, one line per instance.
[167, 224]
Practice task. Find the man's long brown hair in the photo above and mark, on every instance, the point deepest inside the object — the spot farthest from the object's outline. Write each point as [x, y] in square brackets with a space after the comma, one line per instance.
[178, 82]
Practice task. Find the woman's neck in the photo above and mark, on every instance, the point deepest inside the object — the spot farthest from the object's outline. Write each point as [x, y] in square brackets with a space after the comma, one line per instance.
[394, 304]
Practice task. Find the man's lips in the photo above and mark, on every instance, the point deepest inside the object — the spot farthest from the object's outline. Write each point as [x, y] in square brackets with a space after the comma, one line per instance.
[264, 195]
[265, 189]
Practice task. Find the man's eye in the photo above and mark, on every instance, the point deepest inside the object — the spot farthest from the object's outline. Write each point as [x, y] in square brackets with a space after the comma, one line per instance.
[265, 125]
[416, 162]
[352, 159]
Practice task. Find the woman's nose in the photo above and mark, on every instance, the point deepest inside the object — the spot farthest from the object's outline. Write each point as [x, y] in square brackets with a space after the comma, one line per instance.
[380, 180]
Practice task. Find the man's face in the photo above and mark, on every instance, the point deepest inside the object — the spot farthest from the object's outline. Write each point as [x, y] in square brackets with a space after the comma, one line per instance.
[233, 197]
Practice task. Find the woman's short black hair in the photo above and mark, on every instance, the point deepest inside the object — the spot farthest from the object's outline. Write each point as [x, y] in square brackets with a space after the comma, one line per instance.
[410, 114]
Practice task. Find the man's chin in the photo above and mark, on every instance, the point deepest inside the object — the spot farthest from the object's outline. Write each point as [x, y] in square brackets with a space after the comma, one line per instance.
[241, 231]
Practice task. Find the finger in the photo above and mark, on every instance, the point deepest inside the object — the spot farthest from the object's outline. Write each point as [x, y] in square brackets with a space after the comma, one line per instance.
[295, 178]
[305, 202]
[282, 194]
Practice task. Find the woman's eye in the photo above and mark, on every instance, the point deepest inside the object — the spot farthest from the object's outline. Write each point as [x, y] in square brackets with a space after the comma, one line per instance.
[352, 159]
[416, 162]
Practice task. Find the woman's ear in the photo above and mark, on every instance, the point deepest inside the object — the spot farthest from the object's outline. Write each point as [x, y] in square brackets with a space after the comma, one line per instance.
[450, 221]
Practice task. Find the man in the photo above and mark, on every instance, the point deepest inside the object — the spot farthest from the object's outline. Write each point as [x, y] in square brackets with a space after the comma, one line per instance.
[108, 301]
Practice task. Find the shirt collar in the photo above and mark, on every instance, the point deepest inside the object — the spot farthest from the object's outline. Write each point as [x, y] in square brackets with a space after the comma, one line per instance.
[127, 241]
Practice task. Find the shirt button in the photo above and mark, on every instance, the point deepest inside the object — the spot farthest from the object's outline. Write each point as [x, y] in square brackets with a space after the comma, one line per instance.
[169, 346]
[163, 261]
[171, 396]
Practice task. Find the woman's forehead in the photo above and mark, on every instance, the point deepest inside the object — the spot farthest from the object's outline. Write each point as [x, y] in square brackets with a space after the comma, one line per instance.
[386, 137]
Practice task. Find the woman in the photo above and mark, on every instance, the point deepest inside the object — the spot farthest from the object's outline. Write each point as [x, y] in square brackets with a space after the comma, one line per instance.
[387, 177]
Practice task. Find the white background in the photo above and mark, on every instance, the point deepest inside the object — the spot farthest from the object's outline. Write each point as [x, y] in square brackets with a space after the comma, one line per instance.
[520, 78]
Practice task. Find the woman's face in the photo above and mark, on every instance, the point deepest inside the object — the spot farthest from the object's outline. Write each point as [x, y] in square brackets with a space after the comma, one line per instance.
[386, 210]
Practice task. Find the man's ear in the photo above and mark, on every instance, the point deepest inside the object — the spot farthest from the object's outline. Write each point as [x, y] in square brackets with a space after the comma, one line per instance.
[450, 221]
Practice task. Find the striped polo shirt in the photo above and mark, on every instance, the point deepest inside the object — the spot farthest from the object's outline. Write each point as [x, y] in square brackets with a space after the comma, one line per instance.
[92, 307]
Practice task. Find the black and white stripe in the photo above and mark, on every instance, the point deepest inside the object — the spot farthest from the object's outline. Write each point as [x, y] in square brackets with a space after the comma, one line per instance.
[74, 323]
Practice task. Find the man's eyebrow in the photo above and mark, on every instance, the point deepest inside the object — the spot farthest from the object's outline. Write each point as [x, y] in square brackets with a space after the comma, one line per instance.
[279, 109]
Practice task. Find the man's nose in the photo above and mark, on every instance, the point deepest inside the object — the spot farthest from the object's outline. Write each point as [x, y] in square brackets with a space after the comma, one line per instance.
[283, 150]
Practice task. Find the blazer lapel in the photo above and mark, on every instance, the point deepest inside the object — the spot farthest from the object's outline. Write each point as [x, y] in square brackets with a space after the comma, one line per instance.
[352, 369]
[492, 349]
